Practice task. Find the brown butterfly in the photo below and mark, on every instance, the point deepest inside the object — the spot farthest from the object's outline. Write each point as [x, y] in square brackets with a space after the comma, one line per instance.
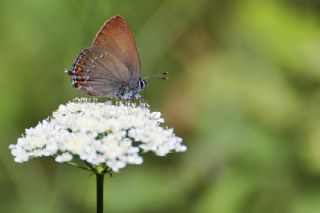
[111, 67]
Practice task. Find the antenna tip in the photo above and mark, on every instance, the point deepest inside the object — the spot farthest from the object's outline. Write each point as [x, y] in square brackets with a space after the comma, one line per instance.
[165, 73]
[165, 78]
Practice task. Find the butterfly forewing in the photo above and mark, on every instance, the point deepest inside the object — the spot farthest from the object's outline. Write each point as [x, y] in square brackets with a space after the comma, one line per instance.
[116, 37]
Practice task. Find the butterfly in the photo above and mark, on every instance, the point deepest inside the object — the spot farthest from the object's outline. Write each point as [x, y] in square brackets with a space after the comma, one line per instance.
[111, 66]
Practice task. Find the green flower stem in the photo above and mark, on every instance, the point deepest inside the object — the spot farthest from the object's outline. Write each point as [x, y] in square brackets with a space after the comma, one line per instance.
[99, 178]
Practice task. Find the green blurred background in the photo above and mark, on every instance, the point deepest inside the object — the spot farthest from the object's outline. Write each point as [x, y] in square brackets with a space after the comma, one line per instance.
[244, 95]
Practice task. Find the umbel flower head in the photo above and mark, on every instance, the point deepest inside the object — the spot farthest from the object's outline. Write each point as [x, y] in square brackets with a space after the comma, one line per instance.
[99, 134]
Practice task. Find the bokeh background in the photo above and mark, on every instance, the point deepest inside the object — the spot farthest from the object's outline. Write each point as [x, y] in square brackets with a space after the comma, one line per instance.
[244, 95]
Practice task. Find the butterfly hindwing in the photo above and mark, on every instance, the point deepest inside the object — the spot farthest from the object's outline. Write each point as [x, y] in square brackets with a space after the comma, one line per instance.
[98, 72]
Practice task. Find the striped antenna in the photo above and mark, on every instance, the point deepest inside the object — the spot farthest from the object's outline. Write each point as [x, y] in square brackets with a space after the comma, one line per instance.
[161, 76]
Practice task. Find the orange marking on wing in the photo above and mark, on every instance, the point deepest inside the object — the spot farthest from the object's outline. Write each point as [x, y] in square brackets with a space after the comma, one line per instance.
[78, 84]
[78, 69]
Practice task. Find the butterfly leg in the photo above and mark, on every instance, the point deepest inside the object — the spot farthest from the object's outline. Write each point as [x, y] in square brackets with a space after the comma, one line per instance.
[137, 96]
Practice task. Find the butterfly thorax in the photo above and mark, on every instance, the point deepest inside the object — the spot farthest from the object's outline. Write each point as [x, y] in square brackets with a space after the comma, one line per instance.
[131, 91]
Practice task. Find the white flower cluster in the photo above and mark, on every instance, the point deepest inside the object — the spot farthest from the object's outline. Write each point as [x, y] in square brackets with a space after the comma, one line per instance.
[98, 133]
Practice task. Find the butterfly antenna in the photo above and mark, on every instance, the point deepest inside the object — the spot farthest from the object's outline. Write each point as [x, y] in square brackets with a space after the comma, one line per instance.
[161, 76]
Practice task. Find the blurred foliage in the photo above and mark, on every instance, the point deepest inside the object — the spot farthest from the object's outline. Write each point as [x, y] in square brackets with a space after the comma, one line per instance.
[244, 94]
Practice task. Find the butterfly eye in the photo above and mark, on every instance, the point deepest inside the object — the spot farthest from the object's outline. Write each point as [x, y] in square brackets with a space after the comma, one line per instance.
[142, 84]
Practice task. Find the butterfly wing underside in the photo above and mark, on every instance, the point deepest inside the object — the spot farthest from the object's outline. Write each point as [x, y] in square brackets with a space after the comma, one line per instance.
[116, 37]
[110, 63]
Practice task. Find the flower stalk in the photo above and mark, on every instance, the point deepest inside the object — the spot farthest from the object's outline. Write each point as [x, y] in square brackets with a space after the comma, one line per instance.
[99, 182]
